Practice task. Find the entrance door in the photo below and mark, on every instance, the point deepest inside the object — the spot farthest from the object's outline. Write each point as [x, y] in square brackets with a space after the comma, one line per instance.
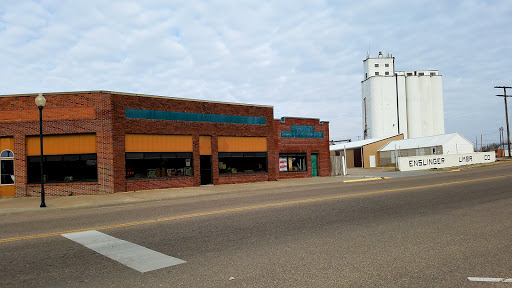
[7, 173]
[358, 159]
[314, 165]
[206, 169]
[372, 161]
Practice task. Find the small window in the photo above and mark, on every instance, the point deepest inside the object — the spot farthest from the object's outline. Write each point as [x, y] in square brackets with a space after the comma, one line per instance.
[376, 73]
[386, 65]
[409, 74]
[365, 75]
[432, 73]
[387, 73]
[376, 65]
[295, 162]
[7, 153]
[421, 74]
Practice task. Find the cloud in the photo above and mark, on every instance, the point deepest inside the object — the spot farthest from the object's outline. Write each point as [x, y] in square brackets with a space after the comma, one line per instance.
[302, 57]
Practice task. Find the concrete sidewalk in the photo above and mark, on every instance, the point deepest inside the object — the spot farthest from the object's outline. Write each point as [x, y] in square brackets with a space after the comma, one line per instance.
[24, 204]
[11, 205]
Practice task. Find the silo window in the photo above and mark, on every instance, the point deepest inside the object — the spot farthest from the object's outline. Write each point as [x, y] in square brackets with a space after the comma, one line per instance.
[376, 73]
[386, 65]
[409, 74]
[421, 74]
[432, 73]
[387, 73]
[376, 65]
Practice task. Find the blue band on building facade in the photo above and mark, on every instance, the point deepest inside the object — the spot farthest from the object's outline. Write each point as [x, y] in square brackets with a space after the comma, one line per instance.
[194, 117]
[298, 131]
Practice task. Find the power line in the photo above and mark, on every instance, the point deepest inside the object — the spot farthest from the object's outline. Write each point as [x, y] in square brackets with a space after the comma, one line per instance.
[491, 133]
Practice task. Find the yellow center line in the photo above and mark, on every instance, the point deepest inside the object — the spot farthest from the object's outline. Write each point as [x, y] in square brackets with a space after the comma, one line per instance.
[365, 179]
[246, 208]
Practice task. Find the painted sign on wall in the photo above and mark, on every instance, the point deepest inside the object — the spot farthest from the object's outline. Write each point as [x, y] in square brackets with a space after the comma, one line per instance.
[300, 131]
[443, 161]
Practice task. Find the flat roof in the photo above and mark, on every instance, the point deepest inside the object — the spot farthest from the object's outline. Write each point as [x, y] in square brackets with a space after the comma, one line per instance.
[137, 95]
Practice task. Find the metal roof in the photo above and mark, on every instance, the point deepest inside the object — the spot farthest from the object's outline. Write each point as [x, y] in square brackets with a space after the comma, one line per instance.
[356, 144]
[429, 141]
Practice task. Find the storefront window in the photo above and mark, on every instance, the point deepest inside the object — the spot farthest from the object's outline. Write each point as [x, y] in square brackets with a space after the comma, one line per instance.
[292, 162]
[158, 164]
[6, 168]
[63, 168]
[242, 162]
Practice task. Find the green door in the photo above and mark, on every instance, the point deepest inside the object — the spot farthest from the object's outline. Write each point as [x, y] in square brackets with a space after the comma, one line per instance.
[314, 165]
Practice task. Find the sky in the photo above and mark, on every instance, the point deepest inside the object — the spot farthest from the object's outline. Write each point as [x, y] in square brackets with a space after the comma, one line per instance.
[304, 58]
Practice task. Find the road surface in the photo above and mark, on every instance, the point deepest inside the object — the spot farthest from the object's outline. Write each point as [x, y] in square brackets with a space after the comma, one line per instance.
[449, 229]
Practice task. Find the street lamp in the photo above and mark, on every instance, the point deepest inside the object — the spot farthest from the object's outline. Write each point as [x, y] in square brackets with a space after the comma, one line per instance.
[40, 102]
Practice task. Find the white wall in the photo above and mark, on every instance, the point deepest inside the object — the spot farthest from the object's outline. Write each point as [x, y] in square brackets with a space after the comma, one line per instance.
[425, 91]
[424, 104]
[437, 104]
[370, 69]
[402, 106]
[444, 161]
[381, 117]
[412, 90]
[458, 145]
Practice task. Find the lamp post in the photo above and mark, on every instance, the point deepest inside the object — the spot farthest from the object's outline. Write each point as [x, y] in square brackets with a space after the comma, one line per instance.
[40, 102]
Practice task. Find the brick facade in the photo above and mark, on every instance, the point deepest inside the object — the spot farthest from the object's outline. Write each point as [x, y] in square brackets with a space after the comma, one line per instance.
[319, 146]
[68, 122]
[103, 113]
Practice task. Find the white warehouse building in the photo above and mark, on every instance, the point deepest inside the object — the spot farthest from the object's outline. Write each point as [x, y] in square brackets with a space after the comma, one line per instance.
[445, 144]
[400, 102]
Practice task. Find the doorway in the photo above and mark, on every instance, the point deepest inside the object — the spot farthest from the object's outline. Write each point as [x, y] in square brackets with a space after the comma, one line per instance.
[206, 169]
[314, 164]
[7, 173]
[358, 159]
[372, 161]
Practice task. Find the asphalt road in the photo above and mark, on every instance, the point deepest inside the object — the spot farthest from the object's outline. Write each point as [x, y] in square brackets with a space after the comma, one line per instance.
[428, 231]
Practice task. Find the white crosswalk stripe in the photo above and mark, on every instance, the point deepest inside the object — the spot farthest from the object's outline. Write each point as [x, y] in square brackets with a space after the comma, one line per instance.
[132, 255]
[488, 279]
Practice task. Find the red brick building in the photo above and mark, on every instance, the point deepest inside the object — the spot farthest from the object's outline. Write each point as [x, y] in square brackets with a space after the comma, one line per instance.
[100, 142]
[303, 147]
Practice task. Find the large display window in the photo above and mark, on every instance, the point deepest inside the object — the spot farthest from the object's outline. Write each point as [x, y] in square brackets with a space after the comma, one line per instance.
[63, 168]
[141, 165]
[292, 162]
[242, 162]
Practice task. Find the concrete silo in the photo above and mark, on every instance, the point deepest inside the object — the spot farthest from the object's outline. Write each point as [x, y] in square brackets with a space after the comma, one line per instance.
[400, 102]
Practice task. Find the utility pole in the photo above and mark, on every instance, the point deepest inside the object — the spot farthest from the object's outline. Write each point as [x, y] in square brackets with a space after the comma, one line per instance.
[506, 113]
[481, 143]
